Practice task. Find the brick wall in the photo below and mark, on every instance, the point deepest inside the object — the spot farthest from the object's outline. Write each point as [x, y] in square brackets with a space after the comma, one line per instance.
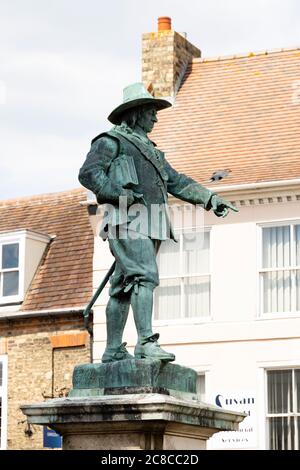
[165, 56]
[42, 353]
[64, 360]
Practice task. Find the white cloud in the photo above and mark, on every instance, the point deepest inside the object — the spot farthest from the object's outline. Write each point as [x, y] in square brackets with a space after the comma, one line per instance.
[41, 164]
[51, 114]
[63, 88]
[64, 64]
[2, 92]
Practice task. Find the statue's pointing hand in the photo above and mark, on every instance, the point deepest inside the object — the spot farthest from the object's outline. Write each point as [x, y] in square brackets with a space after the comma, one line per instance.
[221, 207]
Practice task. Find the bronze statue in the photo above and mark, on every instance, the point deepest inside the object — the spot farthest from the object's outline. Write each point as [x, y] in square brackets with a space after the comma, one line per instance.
[125, 167]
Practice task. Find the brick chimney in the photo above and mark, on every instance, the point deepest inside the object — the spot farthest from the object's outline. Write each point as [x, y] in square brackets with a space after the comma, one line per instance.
[165, 57]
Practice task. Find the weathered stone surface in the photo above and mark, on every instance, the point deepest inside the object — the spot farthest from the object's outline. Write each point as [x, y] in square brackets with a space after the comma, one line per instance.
[36, 368]
[165, 56]
[133, 373]
[140, 421]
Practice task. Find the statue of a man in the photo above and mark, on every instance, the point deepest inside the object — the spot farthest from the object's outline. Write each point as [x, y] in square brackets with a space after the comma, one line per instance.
[124, 164]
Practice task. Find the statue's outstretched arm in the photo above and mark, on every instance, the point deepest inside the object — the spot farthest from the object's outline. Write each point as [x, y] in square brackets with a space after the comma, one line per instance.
[185, 188]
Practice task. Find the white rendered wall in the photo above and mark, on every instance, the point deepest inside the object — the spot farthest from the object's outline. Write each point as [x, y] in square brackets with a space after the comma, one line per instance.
[34, 251]
[236, 346]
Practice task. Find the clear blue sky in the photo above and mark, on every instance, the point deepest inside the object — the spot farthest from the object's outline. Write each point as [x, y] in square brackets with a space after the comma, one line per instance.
[64, 63]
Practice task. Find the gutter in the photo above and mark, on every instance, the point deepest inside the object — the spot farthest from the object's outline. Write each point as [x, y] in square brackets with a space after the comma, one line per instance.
[253, 186]
[229, 188]
[40, 313]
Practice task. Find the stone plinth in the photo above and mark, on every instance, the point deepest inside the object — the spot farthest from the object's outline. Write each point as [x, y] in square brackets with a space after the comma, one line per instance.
[149, 421]
[134, 404]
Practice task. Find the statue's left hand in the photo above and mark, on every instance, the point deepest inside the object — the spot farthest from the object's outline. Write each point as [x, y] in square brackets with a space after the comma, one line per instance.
[221, 207]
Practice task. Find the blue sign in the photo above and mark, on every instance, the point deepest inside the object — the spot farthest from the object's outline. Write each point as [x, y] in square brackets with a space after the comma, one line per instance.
[52, 440]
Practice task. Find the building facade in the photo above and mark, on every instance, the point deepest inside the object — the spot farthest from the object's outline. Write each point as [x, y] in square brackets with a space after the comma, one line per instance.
[46, 249]
[228, 303]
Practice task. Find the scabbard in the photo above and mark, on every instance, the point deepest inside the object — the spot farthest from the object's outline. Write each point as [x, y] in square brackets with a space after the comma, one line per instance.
[86, 313]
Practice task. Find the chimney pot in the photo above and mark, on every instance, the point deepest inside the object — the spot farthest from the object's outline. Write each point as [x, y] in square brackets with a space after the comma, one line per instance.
[165, 58]
[164, 23]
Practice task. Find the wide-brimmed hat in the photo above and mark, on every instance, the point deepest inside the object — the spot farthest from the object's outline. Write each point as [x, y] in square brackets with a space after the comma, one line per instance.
[136, 95]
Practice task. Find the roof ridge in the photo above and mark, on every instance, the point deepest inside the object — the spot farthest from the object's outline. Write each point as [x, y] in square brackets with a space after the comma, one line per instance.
[246, 54]
[41, 197]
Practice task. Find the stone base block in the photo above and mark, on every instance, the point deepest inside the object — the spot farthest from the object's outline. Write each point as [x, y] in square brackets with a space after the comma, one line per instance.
[133, 376]
[132, 422]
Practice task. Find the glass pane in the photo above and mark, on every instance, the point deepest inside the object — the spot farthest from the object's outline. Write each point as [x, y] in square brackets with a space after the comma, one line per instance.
[168, 259]
[280, 391]
[276, 247]
[10, 256]
[277, 292]
[297, 241]
[297, 382]
[167, 300]
[197, 297]
[282, 433]
[10, 283]
[298, 290]
[201, 386]
[196, 252]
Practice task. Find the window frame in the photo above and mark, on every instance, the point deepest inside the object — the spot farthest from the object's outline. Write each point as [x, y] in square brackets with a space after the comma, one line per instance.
[203, 371]
[3, 396]
[186, 320]
[261, 315]
[201, 393]
[9, 239]
[294, 414]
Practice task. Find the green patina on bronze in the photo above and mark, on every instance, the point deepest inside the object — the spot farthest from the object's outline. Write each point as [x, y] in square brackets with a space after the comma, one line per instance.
[125, 163]
[135, 375]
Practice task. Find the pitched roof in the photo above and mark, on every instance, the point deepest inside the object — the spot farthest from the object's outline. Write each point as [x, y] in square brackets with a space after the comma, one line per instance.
[238, 112]
[64, 278]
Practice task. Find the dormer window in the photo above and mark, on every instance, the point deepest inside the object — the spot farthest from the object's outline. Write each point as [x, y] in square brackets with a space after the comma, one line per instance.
[9, 280]
[20, 254]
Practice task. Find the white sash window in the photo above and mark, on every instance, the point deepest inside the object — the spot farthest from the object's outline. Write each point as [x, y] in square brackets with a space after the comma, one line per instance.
[184, 268]
[283, 409]
[20, 254]
[9, 269]
[280, 269]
